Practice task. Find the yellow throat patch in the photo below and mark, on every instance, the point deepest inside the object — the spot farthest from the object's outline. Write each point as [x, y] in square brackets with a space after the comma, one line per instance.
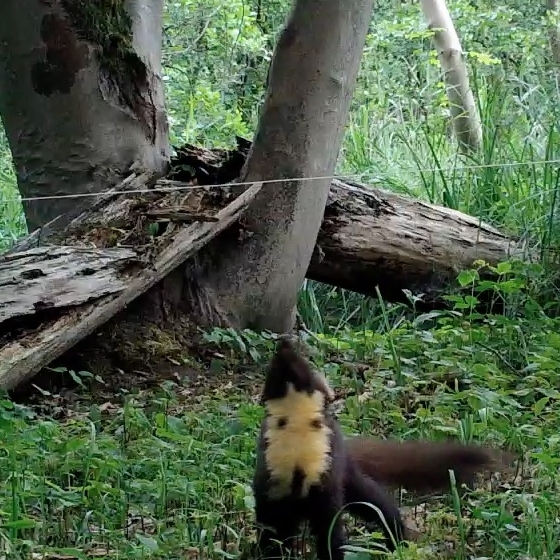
[296, 437]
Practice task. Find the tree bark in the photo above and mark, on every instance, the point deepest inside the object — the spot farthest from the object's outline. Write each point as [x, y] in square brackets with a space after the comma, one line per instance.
[464, 113]
[59, 277]
[255, 282]
[81, 96]
[373, 238]
[553, 33]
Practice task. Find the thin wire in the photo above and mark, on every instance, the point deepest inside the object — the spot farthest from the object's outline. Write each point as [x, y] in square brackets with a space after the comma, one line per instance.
[269, 181]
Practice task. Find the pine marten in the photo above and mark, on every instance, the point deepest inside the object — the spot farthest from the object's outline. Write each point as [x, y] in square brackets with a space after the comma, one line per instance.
[307, 470]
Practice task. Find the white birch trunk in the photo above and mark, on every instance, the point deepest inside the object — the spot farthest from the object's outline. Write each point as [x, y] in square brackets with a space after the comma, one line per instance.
[553, 32]
[464, 114]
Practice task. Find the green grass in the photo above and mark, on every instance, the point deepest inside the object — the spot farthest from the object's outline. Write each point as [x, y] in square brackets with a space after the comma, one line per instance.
[12, 221]
[166, 472]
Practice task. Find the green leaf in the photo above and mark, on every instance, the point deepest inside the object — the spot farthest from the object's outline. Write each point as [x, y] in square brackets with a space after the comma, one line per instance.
[467, 277]
[148, 542]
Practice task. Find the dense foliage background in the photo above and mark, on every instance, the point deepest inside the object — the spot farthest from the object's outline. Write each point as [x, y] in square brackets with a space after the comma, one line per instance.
[134, 473]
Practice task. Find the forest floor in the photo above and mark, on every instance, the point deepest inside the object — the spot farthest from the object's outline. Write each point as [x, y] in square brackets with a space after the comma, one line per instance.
[163, 469]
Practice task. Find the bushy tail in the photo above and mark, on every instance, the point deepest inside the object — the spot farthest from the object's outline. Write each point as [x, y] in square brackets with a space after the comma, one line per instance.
[423, 466]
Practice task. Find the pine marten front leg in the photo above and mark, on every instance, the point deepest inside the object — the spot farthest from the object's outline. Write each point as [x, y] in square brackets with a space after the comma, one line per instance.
[360, 488]
[360, 492]
[325, 505]
[278, 527]
[278, 519]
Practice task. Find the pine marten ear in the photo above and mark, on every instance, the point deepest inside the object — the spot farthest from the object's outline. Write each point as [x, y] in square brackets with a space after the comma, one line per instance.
[288, 366]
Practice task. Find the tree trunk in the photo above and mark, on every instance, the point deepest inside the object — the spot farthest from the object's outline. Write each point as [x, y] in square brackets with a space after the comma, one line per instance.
[464, 113]
[553, 32]
[254, 282]
[81, 96]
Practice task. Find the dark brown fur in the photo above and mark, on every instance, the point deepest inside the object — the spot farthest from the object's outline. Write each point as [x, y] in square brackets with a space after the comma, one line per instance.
[421, 466]
[342, 483]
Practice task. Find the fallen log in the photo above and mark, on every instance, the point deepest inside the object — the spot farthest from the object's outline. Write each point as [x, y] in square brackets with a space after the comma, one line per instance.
[370, 237]
[127, 243]
[28, 343]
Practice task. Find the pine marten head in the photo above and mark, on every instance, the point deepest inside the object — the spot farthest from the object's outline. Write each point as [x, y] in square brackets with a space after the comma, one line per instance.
[289, 370]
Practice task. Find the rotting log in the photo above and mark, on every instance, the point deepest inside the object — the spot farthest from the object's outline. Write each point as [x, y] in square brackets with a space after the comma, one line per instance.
[50, 277]
[368, 238]
[28, 343]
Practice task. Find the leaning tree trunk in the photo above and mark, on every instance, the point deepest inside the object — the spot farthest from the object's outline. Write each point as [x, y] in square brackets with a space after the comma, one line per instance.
[81, 96]
[255, 281]
[464, 113]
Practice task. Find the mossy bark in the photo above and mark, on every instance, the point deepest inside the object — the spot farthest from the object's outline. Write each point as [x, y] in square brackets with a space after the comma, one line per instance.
[81, 96]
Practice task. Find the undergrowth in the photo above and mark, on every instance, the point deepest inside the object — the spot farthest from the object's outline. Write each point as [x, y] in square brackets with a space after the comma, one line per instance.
[166, 472]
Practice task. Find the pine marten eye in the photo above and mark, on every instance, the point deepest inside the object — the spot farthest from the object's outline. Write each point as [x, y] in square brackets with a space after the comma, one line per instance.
[316, 424]
[282, 422]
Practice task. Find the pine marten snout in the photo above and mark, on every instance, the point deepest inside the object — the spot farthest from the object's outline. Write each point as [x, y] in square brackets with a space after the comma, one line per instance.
[303, 471]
